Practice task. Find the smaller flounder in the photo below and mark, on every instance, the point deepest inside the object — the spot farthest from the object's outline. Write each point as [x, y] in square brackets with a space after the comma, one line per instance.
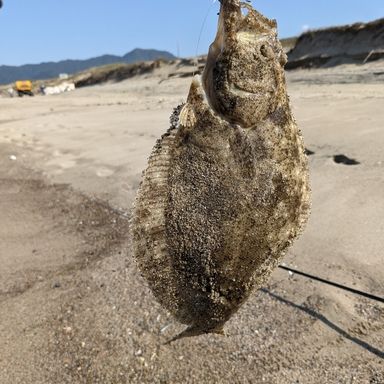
[226, 190]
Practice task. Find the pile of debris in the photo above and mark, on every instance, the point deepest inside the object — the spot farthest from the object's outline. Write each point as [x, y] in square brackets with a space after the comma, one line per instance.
[57, 89]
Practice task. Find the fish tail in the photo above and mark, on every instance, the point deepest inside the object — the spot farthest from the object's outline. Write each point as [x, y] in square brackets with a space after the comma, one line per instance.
[193, 331]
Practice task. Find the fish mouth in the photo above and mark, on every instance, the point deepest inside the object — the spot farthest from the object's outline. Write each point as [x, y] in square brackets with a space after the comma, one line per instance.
[237, 29]
[241, 91]
[233, 24]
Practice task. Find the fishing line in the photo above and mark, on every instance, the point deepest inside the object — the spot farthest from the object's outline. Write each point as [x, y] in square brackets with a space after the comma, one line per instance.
[337, 285]
[201, 34]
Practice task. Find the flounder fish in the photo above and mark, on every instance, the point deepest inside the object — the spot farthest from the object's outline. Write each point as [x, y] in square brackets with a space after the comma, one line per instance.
[226, 190]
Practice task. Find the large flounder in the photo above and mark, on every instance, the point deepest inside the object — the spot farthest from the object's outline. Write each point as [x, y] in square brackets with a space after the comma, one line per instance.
[226, 188]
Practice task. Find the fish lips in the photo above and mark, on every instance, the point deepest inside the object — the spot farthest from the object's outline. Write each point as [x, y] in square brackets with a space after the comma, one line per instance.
[240, 79]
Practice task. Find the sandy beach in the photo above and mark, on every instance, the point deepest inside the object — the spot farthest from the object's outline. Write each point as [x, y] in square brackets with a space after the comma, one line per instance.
[74, 308]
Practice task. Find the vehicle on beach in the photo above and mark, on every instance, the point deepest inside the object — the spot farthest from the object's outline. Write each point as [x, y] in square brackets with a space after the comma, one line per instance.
[24, 87]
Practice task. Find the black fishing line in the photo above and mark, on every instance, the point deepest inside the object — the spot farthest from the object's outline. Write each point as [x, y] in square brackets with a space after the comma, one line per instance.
[332, 283]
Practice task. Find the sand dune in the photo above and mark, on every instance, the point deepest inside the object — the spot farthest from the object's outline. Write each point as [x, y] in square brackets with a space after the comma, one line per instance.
[355, 43]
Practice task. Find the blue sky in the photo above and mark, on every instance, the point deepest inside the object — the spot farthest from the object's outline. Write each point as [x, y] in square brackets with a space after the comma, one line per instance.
[33, 31]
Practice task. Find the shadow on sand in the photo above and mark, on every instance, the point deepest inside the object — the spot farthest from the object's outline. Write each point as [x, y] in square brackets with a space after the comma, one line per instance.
[327, 322]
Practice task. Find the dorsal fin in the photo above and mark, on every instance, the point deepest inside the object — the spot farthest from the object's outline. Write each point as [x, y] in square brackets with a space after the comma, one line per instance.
[149, 237]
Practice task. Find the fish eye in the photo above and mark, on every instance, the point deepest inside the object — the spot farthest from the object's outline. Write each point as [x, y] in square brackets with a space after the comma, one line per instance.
[266, 51]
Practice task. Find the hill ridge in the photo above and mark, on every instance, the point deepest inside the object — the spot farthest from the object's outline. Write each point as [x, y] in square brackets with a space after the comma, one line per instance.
[51, 69]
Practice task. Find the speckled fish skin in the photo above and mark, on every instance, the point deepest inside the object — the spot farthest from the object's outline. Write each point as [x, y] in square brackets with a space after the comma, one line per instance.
[226, 190]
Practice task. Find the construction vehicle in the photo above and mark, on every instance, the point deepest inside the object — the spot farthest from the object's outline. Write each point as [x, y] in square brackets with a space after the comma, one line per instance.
[24, 87]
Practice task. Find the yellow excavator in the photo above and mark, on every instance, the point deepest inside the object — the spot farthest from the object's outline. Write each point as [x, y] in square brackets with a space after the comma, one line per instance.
[23, 87]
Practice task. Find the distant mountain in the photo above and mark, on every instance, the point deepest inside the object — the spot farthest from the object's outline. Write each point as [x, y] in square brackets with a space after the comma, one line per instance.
[9, 74]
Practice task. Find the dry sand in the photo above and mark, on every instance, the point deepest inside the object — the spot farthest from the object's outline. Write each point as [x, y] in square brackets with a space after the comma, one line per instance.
[74, 308]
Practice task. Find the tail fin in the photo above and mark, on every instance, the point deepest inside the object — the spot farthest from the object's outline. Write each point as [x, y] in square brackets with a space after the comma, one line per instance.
[194, 330]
